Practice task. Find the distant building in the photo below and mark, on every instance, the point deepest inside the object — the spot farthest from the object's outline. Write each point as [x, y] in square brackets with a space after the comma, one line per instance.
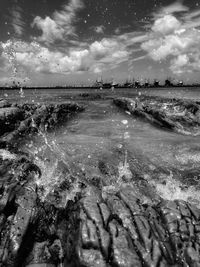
[168, 83]
[107, 85]
[156, 83]
[128, 84]
[146, 84]
[114, 84]
[98, 83]
[137, 84]
[180, 83]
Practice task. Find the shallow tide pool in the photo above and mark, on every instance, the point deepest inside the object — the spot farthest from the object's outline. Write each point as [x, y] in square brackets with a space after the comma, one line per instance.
[128, 149]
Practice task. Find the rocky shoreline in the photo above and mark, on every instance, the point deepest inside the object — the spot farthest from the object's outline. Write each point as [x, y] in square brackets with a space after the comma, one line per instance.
[181, 116]
[103, 225]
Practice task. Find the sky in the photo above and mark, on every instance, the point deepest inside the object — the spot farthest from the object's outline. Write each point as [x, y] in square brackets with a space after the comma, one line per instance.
[59, 42]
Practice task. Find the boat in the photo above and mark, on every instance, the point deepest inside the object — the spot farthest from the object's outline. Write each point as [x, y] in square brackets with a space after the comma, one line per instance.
[107, 85]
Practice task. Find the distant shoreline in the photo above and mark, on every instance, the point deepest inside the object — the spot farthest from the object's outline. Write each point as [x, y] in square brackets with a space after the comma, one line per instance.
[92, 87]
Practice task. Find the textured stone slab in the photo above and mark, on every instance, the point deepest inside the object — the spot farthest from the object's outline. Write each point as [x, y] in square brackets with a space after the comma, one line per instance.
[173, 114]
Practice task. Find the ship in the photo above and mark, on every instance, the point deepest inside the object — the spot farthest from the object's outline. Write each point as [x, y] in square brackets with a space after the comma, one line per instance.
[156, 83]
[128, 84]
[107, 85]
[137, 84]
[98, 83]
[180, 83]
[110, 85]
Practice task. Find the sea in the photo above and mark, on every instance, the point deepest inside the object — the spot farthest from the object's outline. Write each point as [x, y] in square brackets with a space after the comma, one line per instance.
[131, 150]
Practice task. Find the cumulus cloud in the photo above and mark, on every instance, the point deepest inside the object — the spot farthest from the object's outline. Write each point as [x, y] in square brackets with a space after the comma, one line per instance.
[170, 45]
[174, 36]
[179, 63]
[165, 25]
[96, 57]
[51, 31]
[60, 25]
[107, 53]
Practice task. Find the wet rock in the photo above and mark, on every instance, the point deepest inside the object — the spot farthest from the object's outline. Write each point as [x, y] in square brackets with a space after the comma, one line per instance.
[91, 258]
[123, 251]
[40, 255]
[36, 118]
[115, 229]
[194, 211]
[192, 256]
[91, 96]
[100, 226]
[173, 114]
[126, 103]
[17, 201]
[184, 209]
[4, 103]
[9, 118]
[108, 171]
[89, 235]
[26, 206]
[105, 212]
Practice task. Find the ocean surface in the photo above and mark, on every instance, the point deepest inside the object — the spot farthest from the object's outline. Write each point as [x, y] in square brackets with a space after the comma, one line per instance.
[103, 135]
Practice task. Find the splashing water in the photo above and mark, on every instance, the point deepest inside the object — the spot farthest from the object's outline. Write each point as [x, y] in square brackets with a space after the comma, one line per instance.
[123, 169]
[21, 92]
[9, 52]
[57, 168]
[5, 154]
[114, 137]
[56, 172]
[171, 189]
[18, 77]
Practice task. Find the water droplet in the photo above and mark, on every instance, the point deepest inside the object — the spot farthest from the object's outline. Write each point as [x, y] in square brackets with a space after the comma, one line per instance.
[126, 135]
[125, 122]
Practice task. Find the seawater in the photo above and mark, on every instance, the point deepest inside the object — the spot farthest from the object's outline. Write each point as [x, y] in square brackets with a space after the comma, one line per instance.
[137, 152]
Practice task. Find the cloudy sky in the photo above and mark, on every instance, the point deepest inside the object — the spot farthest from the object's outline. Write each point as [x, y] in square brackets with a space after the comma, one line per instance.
[57, 42]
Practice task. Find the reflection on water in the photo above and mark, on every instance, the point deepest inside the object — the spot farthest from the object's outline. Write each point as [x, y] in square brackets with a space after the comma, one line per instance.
[108, 144]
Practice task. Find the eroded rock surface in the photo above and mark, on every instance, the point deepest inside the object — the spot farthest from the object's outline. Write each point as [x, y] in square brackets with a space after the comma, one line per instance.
[9, 117]
[4, 103]
[21, 120]
[182, 116]
[102, 225]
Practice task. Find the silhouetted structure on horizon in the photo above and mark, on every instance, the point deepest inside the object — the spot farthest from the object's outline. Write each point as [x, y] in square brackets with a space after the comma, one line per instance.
[147, 84]
[156, 83]
[137, 84]
[168, 83]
